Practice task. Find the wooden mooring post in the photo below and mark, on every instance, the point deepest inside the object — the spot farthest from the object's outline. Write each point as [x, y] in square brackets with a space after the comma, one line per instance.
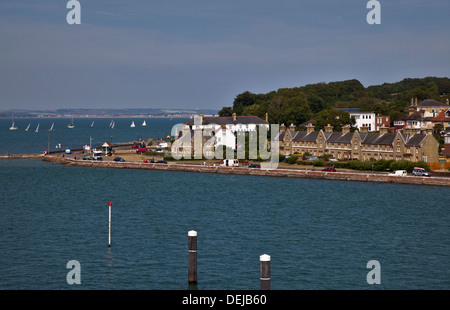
[264, 272]
[192, 257]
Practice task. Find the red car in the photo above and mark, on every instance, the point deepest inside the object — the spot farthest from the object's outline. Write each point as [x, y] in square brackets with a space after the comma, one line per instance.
[329, 169]
[141, 150]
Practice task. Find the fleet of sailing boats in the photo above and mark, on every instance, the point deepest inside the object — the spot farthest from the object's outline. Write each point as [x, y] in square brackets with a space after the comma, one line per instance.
[70, 125]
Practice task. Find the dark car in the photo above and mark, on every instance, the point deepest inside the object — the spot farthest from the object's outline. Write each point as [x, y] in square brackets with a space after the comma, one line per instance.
[119, 159]
[254, 166]
[329, 169]
[161, 162]
[87, 158]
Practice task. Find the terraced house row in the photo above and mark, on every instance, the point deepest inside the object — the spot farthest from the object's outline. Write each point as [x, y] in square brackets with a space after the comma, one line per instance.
[406, 144]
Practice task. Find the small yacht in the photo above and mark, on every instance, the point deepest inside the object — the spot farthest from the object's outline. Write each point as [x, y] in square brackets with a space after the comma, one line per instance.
[13, 125]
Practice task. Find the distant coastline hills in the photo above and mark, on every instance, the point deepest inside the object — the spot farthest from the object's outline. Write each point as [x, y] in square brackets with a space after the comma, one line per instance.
[86, 113]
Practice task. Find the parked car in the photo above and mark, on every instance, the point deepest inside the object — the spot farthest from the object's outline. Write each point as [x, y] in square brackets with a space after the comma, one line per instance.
[400, 173]
[119, 159]
[417, 171]
[87, 158]
[161, 162]
[254, 166]
[141, 150]
[332, 169]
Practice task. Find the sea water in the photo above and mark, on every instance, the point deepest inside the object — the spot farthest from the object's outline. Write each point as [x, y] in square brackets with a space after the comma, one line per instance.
[320, 234]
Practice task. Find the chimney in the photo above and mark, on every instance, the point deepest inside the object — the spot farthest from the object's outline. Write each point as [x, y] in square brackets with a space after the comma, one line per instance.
[415, 103]
[411, 110]
[329, 128]
[292, 127]
[345, 129]
[409, 130]
[364, 129]
[267, 117]
[412, 101]
[383, 130]
[201, 119]
[309, 128]
[446, 101]
[282, 127]
[234, 117]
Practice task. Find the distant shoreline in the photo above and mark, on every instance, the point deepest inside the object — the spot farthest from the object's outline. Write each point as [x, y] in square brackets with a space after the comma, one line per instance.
[96, 116]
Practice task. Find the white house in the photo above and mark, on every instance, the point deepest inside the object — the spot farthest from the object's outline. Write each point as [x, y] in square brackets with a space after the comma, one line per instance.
[203, 134]
[364, 119]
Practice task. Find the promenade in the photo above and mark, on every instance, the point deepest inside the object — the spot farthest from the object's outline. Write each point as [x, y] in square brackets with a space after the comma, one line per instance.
[279, 172]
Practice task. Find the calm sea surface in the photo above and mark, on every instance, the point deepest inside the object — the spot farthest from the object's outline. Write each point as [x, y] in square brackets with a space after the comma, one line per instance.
[320, 234]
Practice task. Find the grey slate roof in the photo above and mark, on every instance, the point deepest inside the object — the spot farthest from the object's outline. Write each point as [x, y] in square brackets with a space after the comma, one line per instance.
[414, 140]
[431, 103]
[338, 137]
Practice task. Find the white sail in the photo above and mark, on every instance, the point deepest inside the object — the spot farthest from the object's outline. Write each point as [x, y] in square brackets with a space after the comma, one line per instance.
[51, 128]
[28, 127]
[92, 125]
[37, 128]
[112, 126]
[132, 124]
[144, 124]
[13, 125]
[71, 125]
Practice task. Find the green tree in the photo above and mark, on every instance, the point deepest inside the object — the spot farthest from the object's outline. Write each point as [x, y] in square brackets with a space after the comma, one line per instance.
[337, 119]
[226, 111]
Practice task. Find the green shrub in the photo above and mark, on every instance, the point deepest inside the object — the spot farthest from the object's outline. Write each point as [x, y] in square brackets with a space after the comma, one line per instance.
[292, 159]
[318, 163]
[341, 164]
[407, 165]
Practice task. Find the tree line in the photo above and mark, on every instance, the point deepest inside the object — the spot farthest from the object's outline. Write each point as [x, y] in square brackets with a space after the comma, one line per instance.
[318, 101]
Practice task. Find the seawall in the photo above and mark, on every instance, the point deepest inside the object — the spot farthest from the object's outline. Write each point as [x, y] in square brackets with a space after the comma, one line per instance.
[342, 176]
[21, 156]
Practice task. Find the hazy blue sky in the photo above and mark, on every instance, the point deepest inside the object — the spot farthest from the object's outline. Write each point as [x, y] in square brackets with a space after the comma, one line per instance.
[202, 53]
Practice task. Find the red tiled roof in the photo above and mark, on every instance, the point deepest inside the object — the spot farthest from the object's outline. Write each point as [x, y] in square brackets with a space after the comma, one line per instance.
[443, 116]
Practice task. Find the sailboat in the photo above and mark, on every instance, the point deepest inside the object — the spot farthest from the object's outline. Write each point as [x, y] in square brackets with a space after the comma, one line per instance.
[28, 127]
[132, 124]
[113, 123]
[71, 125]
[37, 128]
[144, 124]
[92, 125]
[13, 125]
[51, 128]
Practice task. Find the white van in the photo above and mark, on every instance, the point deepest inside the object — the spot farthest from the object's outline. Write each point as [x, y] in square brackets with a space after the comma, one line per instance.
[230, 163]
[97, 155]
[400, 173]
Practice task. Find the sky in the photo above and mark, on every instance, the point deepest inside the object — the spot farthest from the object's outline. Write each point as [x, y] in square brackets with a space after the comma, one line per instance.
[200, 54]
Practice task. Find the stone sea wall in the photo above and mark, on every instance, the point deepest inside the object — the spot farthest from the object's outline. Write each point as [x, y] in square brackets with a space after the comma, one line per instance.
[342, 176]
